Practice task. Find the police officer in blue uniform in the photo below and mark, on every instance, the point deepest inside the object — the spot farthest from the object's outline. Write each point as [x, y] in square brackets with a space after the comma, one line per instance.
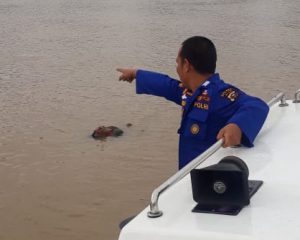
[211, 108]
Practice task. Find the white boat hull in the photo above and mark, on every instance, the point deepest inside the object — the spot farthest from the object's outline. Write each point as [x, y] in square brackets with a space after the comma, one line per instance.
[274, 211]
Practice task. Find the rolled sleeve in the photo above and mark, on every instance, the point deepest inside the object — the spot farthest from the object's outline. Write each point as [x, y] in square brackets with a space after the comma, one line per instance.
[250, 118]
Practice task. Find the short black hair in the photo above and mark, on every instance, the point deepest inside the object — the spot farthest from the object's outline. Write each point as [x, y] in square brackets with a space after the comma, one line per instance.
[201, 53]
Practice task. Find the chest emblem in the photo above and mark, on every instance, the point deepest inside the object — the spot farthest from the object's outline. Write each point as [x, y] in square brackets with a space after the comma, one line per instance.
[201, 105]
[195, 129]
[204, 96]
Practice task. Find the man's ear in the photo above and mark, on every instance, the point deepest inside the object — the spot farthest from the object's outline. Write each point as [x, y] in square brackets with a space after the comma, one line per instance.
[186, 65]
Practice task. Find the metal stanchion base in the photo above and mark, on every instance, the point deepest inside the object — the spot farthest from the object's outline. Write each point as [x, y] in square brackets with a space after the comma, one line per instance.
[155, 214]
[283, 104]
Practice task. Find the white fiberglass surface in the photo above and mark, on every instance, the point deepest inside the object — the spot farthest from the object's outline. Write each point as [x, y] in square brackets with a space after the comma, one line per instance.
[274, 211]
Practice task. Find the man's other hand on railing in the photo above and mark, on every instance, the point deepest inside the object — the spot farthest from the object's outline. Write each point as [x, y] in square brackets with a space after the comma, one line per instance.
[231, 134]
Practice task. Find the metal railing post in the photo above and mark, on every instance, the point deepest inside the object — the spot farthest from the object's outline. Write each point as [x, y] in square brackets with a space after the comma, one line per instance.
[297, 97]
[154, 210]
[279, 97]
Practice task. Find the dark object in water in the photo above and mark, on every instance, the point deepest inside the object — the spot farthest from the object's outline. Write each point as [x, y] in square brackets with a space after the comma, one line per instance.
[103, 132]
[128, 124]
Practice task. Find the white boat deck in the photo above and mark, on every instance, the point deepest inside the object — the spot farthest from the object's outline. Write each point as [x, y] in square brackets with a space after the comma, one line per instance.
[274, 211]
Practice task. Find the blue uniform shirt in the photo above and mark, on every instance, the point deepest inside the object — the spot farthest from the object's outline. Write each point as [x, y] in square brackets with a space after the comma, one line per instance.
[212, 106]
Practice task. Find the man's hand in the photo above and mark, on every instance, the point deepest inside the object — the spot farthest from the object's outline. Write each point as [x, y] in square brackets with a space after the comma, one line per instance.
[231, 134]
[127, 75]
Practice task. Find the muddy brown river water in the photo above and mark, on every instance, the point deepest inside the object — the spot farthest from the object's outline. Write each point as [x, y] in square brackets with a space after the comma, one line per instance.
[58, 83]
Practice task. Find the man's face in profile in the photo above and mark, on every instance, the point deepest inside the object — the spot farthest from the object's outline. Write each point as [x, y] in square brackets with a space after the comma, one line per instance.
[179, 68]
[182, 69]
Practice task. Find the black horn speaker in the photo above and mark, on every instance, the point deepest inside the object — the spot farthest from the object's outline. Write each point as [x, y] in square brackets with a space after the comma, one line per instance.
[223, 187]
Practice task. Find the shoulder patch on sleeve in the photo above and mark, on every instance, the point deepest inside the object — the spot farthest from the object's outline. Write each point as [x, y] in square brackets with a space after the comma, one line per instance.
[231, 94]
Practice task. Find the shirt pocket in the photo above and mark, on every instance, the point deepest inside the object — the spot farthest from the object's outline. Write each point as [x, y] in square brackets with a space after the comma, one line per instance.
[195, 125]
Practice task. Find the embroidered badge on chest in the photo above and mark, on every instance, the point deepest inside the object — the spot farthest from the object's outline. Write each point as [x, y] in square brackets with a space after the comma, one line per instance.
[204, 97]
[231, 94]
[201, 105]
[195, 129]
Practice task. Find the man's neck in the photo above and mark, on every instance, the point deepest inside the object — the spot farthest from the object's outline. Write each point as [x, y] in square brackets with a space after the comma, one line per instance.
[197, 80]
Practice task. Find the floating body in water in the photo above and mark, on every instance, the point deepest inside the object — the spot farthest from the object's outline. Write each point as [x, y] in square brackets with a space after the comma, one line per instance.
[102, 132]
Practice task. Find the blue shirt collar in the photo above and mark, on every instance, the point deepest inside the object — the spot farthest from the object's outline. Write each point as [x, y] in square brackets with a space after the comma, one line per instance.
[214, 78]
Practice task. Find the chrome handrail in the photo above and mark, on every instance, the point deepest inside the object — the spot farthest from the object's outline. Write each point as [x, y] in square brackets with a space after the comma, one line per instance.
[154, 210]
[297, 97]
